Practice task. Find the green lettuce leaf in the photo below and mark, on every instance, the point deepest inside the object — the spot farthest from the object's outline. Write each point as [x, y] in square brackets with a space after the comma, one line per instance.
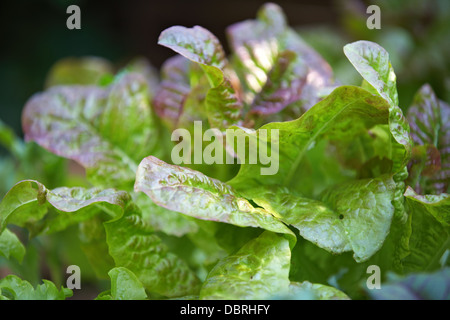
[162, 219]
[347, 112]
[198, 45]
[277, 67]
[124, 286]
[14, 288]
[11, 246]
[315, 221]
[92, 236]
[195, 194]
[127, 231]
[201, 46]
[352, 216]
[28, 202]
[107, 130]
[366, 212]
[258, 270]
[312, 291]
[134, 245]
[436, 205]
[81, 71]
[372, 62]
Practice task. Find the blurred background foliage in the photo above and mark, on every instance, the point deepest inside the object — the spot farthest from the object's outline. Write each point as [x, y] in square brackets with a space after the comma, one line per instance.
[34, 37]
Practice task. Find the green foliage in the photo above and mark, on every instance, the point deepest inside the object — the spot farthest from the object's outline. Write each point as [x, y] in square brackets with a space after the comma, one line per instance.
[355, 185]
[14, 288]
[418, 286]
[124, 286]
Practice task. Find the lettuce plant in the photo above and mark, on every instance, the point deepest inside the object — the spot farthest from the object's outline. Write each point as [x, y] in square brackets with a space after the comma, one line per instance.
[359, 183]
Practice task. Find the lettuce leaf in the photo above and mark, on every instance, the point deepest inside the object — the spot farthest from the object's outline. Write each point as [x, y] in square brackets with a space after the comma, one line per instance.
[312, 291]
[142, 66]
[355, 216]
[372, 62]
[27, 203]
[195, 194]
[436, 205]
[129, 234]
[92, 236]
[14, 288]
[106, 130]
[427, 232]
[278, 68]
[11, 246]
[124, 286]
[78, 71]
[179, 98]
[133, 244]
[347, 112]
[258, 270]
[201, 46]
[164, 220]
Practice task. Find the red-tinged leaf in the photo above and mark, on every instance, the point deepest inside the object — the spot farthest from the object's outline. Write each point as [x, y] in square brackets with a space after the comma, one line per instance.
[106, 130]
[429, 119]
[197, 44]
[276, 65]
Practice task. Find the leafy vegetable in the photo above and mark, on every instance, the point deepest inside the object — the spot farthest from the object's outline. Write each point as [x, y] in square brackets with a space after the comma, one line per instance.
[351, 181]
[133, 245]
[430, 234]
[106, 130]
[245, 274]
[126, 232]
[28, 202]
[200, 46]
[124, 286]
[430, 166]
[356, 216]
[85, 71]
[346, 112]
[10, 246]
[276, 65]
[14, 288]
[372, 62]
[203, 197]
